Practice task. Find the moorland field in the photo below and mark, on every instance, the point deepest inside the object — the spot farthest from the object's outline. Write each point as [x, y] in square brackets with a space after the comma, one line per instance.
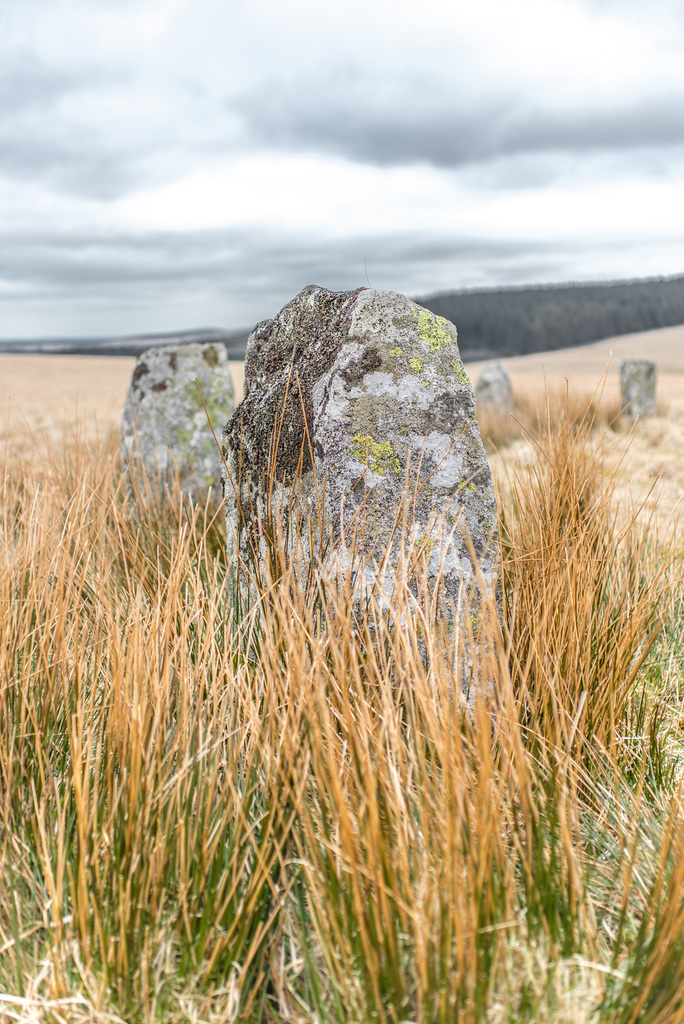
[287, 812]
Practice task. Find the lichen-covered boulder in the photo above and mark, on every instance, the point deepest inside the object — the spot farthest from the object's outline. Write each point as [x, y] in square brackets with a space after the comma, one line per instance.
[164, 419]
[638, 380]
[493, 389]
[368, 397]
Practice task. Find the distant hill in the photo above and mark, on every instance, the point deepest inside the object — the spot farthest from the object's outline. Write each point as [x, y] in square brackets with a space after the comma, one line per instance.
[132, 345]
[491, 322]
[519, 320]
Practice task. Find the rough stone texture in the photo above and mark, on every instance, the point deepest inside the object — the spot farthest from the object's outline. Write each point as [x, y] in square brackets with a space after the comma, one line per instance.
[378, 384]
[163, 407]
[493, 388]
[638, 379]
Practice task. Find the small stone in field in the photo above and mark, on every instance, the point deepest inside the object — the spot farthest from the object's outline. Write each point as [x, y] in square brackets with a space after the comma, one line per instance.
[638, 379]
[164, 420]
[493, 389]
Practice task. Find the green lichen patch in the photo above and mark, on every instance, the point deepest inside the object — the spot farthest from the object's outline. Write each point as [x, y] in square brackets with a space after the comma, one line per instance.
[426, 543]
[417, 365]
[433, 330]
[381, 457]
[461, 376]
[425, 383]
[396, 351]
[216, 406]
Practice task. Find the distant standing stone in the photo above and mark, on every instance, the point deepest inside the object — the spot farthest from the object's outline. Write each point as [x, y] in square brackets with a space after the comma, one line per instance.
[493, 388]
[164, 414]
[638, 379]
[362, 385]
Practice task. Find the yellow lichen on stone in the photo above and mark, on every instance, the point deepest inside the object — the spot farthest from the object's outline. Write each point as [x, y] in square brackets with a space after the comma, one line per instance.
[417, 365]
[381, 457]
[432, 329]
[396, 351]
[461, 376]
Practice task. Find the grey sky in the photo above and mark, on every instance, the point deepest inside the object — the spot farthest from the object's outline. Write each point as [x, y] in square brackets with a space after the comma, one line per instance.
[177, 163]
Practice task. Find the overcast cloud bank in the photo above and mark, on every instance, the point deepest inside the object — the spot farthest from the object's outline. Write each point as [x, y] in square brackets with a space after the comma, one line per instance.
[169, 163]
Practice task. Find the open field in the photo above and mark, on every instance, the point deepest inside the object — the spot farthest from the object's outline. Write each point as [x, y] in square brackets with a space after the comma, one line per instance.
[39, 391]
[653, 454]
[42, 393]
[289, 813]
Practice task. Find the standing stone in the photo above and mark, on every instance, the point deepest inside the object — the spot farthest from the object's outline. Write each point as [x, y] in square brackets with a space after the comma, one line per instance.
[493, 389]
[363, 386]
[164, 418]
[638, 378]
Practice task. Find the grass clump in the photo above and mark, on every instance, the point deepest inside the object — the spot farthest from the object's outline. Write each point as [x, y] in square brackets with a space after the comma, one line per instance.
[291, 815]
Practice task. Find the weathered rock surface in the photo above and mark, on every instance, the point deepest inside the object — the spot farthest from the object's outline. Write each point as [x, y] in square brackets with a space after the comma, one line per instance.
[164, 414]
[638, 380]
[493, 388]
[363, 386]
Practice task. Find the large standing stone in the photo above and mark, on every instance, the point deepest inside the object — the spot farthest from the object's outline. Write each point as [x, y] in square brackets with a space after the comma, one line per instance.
[164, 418]
[493, 389]
[638, 378]
[363, 386]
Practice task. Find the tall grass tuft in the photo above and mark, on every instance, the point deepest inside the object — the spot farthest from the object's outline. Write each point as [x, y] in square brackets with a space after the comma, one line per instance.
[584, 584]
[288, 813]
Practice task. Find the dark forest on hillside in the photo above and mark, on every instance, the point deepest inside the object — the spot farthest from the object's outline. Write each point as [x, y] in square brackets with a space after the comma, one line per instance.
[515, 321]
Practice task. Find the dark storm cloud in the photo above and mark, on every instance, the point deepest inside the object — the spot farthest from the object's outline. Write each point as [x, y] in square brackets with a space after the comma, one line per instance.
[415, 121]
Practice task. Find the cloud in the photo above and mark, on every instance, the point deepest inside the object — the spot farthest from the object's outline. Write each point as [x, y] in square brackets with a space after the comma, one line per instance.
[111, 284]
[254, 272]
[41, 140]
[27, 82]
[418, 121]
[177, 162]
[76, 164]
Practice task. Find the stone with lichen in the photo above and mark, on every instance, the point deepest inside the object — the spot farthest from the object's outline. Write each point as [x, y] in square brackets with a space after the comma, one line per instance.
[165, 429]
[364, 395]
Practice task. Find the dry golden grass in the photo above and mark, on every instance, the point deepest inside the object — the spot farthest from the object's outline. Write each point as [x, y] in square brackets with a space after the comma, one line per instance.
[290, 815]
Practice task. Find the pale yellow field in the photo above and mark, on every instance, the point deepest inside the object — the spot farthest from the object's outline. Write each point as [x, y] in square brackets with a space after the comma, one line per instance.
[43, 394]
